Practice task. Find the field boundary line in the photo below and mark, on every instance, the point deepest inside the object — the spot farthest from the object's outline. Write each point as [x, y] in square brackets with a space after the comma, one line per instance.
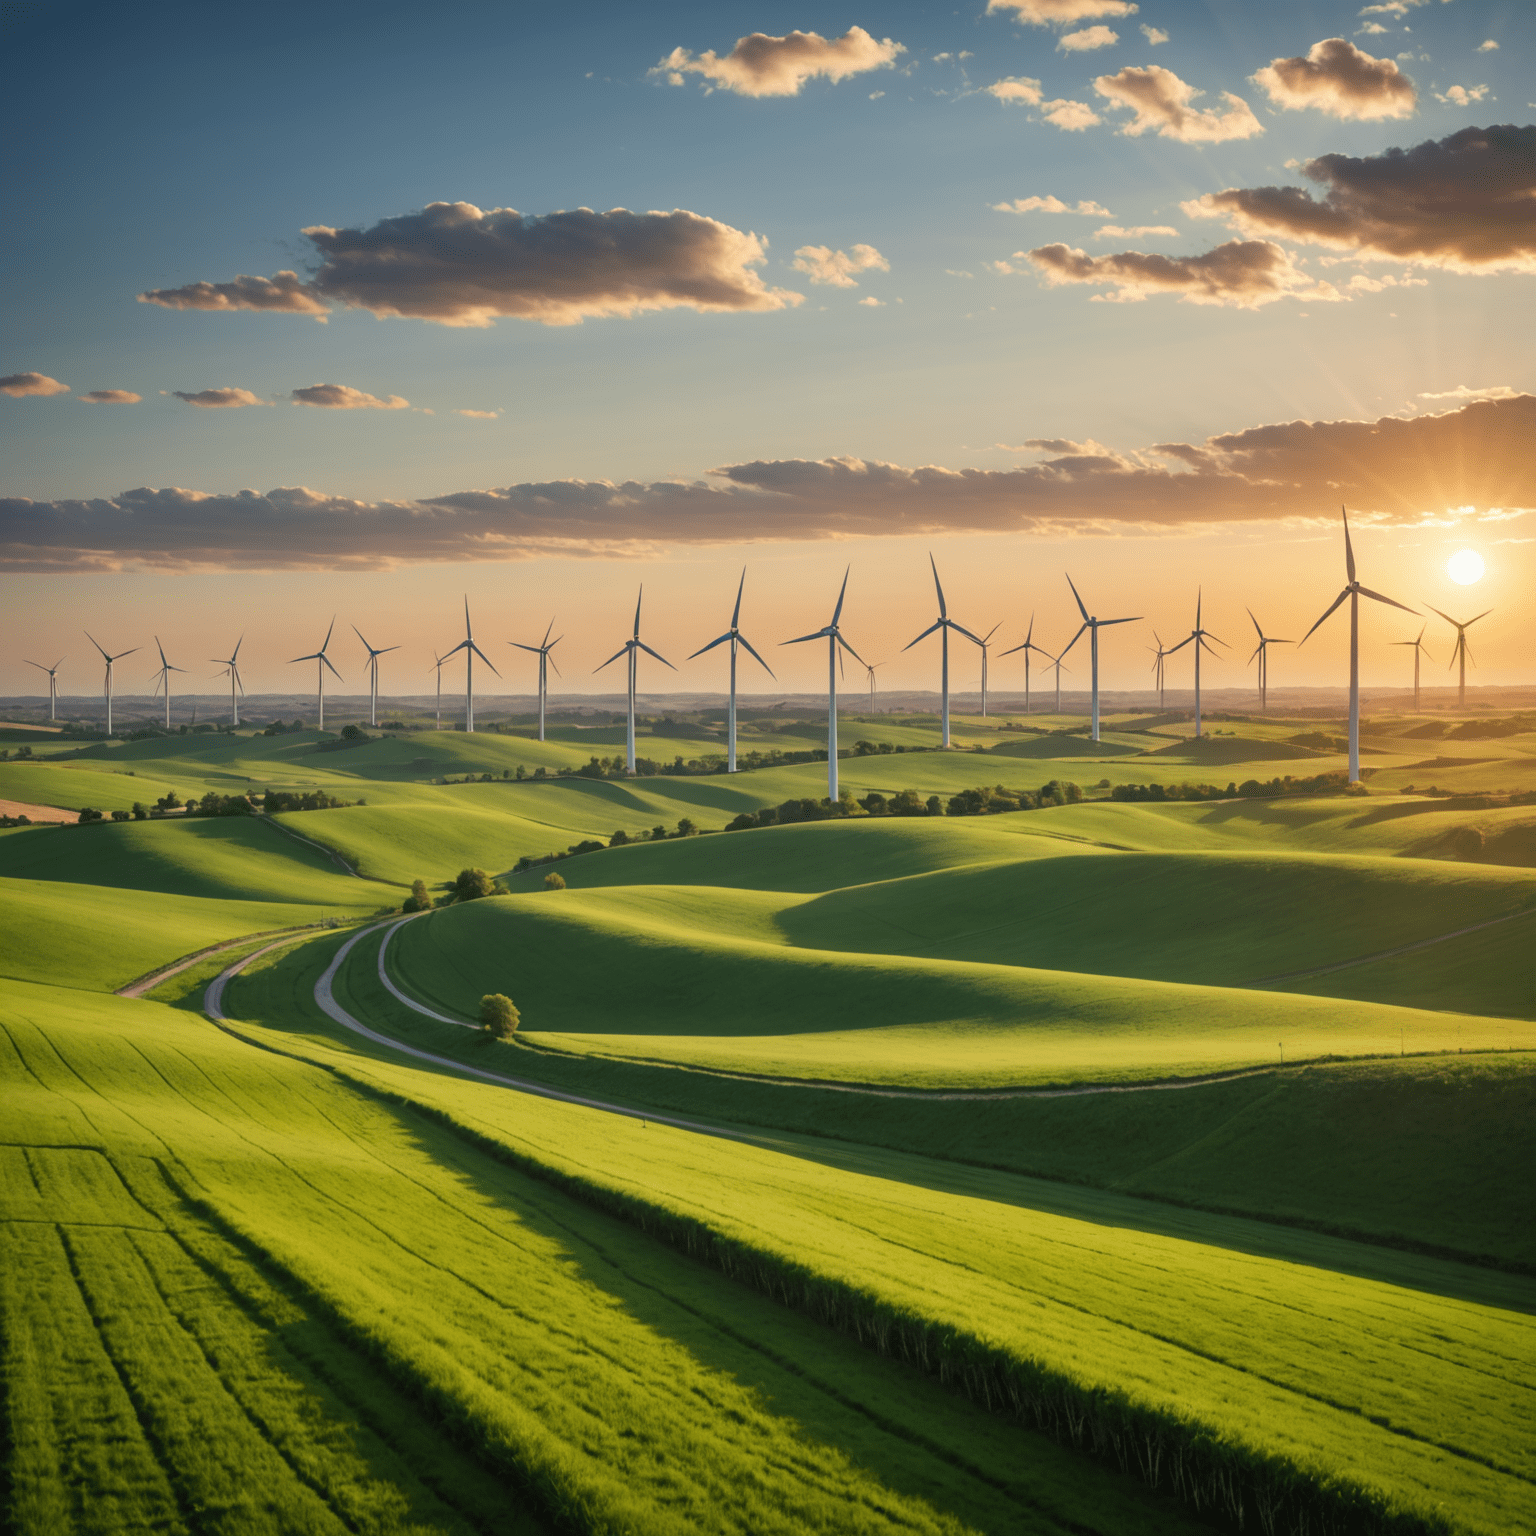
[330, 853]
[1388, 954]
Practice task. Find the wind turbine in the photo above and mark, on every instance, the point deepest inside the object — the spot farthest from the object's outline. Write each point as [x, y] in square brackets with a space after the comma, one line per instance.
[321, 661]
[232, 671]
[1460, 652]
[1261, 650]
[735, 636]
[109, 660]
[1201, 639]
[471, 650]
[163, 677]
[373, 671]
[1028, 646]
[943, 624]
[632, 649]
[834, 638]
[439, 669]
[1093, 624]
[53, 683]
[546, 661]
[1159, 655]
[1056, 664]
[871, 670]
[1418, 646]
[986, 645]
[1354, 592]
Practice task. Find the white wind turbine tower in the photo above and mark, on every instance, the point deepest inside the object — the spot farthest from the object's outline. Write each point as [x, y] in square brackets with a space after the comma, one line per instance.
[1028, 646]
[1261, 651]
[321, 661]
[943, 624]
[373, 674]
[546, 661]
[735, 636]
[1201, 640]
[1418, 648]
[834, 638]
[232, 672]
[471, 650]
[439, 670]
[871, 670]
[1461, 652]
[986, 645]
[632, 649]
[162, 678]
[1092, 624]
[109, 660]
[1354, 592]
[53, 683]
[1160, 654]
[1056, 666]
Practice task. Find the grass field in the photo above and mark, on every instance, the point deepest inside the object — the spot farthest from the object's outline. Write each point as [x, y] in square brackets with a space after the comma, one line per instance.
[278, 1276]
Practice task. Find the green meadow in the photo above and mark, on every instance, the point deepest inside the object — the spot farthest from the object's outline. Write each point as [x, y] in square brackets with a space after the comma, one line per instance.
[1111, 1166]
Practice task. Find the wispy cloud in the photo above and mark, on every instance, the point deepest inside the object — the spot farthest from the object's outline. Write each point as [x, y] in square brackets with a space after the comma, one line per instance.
[1461, 392]
[1087, 40]
[456, 265]
[479, 415]
[219, 399]
[1016, 88]
[110, 397]
[1464, 203]
[342, 397]
[1052, 204]
[1337, 78]
[20, 385]
[760, 65]
[1161, 102]
[1153, 35]
[1242, 274]
[1070, 116]
[1061, 13]
[1398, 468]
[1462, 95]
[1135, 232]
[836, 269]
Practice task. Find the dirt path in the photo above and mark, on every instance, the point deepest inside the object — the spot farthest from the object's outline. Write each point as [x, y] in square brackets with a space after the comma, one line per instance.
[154, 978]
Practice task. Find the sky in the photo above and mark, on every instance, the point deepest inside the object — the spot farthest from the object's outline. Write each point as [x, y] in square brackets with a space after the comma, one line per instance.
[366, 309]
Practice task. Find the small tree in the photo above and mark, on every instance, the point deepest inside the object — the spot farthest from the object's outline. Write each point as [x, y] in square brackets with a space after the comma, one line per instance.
[935, 806]
[472, 884]
[420, 899]
[120, 816]
[140, 812]
[87, 814]
[499, 1015]
[686, 828]
[554, 881]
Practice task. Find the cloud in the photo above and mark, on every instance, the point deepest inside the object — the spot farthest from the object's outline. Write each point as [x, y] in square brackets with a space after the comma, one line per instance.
[1087, 40]
[1153, 35]
[1462, 95]
[1395, 468]
[1061, 13]
[110, 397]
[1488, 46]
[20, 385]
[342, 397]
[1461, 392]
[1017, 88]
[1161, 100]
[1135, 232]
[1071, 116]
[1051, 204]
[1394, 8]
[760, 65]
[1466, 203]
[453, 264]
[1373, 29]
[479, 415]
[1341, 80]
[1242, 274]
[871, 302]
[836, 268]
[220, 399]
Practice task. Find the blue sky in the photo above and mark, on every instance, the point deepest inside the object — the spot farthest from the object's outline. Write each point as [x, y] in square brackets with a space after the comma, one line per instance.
[185, 143]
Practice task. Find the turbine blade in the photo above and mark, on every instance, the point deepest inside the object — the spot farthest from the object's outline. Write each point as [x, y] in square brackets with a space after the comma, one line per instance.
[937, 624]
[1132, 620]
[238, 644]
[759, 659]
[94, 641]
[1483, 615]
[850, 650]
[1080, 607]
[837, 612]
[1448, 619]
[1256, 624]
[547, 634]
[313, 656]
[712, 644]
[328, 632]
[821, 634]
[1339, 599]
[483, 657]
[356, 631]
[337, 675]
[1349, 549]
[1078, 636]
[622, 651]
[518, 644]
[1180, 646]
[657, 654]
[1009, 652]
[968, 635]
[938, 586]
[551, 660]
[740, 588]
[1031, 634]
[387, 649]
[640, 598]
[1391, 601]
[988, 636]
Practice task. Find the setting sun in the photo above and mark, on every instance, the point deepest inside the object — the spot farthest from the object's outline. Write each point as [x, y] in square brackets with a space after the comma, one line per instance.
[1465, 567]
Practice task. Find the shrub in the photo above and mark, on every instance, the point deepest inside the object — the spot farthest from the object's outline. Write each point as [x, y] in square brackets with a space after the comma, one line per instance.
[935, 806]
[353, 733]
[472, 884]
[554, 881]
[686, 827]
[140, 811]
[420, 899]
[88, 815]
[499, 1015]
[619, 839]
[121, 816]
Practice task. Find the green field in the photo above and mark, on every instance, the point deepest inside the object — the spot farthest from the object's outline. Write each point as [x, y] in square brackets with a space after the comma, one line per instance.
[899, 1225]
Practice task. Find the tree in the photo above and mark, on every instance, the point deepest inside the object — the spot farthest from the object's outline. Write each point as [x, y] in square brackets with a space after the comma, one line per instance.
[87, 814]
[472, 884]
[420, 899]
[499, 1015]
[353, 733]
[120, 816]
[140, 812]
[619, 839]
[686, 828]
[935, 806]
[554, 881]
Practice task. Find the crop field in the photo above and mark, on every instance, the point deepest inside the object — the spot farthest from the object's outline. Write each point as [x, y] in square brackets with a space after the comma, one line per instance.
[1119, 1165]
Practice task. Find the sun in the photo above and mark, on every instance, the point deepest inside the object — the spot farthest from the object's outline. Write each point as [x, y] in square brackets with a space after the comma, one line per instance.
[1465, 567]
